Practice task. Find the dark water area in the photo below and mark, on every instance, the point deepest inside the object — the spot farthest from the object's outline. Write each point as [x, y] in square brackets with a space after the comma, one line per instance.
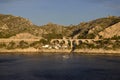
[59, 67]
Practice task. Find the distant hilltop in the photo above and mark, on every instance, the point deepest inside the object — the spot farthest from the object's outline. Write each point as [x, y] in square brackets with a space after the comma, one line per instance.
[17, 27]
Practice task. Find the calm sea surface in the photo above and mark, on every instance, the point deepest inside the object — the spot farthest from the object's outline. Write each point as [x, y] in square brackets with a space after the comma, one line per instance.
[59, 67]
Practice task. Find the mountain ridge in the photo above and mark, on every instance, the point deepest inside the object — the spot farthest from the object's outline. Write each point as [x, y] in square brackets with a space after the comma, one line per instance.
[12, 25]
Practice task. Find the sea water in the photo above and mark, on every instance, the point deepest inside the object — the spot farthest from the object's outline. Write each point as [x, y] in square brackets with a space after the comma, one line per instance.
[59, 67]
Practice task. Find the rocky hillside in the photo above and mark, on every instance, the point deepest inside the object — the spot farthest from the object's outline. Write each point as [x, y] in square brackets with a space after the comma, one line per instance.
[53, 28]
[111, 31]
[12, 25]
[92, 28]
[24, 36]
[15, 27]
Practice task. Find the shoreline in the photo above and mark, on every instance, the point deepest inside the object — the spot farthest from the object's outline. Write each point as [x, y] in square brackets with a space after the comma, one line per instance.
[30, 51]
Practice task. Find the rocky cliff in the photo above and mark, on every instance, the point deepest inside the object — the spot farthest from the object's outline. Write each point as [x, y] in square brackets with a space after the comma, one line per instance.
[111, 31]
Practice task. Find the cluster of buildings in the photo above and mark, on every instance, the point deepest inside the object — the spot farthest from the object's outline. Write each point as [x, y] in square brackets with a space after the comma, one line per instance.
[58, 46]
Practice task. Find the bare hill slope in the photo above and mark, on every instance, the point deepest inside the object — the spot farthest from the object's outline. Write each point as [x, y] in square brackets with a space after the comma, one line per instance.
[111, 31]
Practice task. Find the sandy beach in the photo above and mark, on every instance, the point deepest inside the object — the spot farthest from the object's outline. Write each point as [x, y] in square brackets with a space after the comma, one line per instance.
[64, 51]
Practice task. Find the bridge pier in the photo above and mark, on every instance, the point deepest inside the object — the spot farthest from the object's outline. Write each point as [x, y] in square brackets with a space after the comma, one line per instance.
[71, 44]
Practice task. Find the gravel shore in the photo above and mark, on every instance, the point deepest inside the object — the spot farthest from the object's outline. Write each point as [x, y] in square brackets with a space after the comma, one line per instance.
[65, 51]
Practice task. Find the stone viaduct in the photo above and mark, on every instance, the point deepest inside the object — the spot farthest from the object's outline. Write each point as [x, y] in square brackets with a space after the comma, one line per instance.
[72, 41]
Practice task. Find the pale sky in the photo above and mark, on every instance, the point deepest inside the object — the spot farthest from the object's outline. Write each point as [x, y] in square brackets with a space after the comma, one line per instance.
[63, 12]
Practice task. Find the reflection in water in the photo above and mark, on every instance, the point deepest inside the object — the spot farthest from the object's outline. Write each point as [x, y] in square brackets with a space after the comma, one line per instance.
[66, 56]
[59, 67]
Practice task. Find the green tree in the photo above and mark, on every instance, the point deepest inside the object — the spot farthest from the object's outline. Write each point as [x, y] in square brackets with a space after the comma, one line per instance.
[91, 36]
[116, 44]
[23, 44]
[36, 44]
[11, 45]
[2, 45]
[43, 41]
[52, 36]
[116, 38]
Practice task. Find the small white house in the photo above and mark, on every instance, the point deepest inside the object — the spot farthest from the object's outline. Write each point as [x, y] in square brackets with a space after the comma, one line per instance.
[65, 47]
[45, 46]
[56, 47]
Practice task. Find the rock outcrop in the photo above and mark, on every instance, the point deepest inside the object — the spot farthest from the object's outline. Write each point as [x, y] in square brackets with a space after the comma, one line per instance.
[111, 31]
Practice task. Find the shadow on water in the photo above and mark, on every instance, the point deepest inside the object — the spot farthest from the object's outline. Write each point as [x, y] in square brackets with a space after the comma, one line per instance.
[69, 56]
[76, 74]
[7, 60]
